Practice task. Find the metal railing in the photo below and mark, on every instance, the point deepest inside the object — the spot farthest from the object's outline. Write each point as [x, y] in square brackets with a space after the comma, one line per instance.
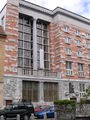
[38, 73]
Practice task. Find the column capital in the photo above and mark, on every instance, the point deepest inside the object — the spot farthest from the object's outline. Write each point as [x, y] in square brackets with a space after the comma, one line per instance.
[35, 18]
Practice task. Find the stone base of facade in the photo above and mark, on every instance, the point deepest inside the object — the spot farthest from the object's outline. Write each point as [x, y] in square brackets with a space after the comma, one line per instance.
[13, 89]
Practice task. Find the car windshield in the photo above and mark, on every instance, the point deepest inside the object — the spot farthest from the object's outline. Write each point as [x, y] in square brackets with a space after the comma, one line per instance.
[9, 107]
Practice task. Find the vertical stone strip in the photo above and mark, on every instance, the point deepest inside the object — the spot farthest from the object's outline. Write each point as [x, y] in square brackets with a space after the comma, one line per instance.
[11, 46]
[34, 44]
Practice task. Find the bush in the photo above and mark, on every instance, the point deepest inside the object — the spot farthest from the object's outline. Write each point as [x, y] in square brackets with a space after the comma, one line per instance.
[66, 103]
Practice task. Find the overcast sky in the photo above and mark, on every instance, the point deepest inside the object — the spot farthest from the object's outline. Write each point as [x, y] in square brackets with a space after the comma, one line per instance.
[81, 7]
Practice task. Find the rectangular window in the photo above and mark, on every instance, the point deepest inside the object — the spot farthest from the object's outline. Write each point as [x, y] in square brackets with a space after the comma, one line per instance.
[68, 51]
[88, 55]
[88, 45]
[78, 43]
[20, 35]
[80, 70]
[20, 53]
[79, 54]
[77, 32]
[67, 40]
[25, 44]
[50, 91]
[87, 36]
[43, 43]
[20, 44]
[82, 87]
[66, 28]
[71, 88]
[30, 91]
[27, 29]
[69, 70]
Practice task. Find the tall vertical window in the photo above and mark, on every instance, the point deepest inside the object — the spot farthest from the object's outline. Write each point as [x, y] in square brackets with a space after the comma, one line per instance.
[77, 32]
[88, 45]
[68, 51]
[67, 40]
[79, 54]
[78, 43]
[50, 91]
[43, 45]
[25, 44]
[80, 70]
[71, 88]
[69, 70]
[82, 89]
[30, 91]
[66, 28]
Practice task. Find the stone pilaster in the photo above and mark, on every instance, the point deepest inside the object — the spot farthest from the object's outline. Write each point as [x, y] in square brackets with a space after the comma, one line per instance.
[41, 92]
[34, 44]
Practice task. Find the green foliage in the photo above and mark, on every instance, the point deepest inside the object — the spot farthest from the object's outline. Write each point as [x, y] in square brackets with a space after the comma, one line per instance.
[82, 101]
[88, 92]
[66, 103]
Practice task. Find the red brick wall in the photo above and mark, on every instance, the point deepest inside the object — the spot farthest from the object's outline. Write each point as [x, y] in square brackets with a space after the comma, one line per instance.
[58, 47]
[11, 45]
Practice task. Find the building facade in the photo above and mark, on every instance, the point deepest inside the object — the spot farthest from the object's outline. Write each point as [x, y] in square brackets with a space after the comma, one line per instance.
[47, 53]
[2, 44]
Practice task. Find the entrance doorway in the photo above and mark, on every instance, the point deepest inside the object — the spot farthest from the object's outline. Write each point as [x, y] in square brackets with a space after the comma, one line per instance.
[8, 102]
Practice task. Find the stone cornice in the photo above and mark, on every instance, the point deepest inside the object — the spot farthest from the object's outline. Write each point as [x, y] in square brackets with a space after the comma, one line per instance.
[43, 79]
[32, 78]
[34, 7]
[52, 13]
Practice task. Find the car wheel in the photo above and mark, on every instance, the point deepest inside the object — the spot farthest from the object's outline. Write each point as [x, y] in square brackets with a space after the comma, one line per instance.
[3, 117]
[26, 117]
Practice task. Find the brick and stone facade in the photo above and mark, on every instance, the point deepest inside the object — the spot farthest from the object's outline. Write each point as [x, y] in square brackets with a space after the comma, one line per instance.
[45, 49]
[2, 44]
[11, 45]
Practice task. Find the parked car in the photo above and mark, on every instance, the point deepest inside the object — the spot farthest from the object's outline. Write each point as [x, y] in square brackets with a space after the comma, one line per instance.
[21, 108]
[49, 112]
[37, 109]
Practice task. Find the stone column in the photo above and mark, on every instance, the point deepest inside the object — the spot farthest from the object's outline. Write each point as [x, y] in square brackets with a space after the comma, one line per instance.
[60, 90]
[41, 92]
[34, 44]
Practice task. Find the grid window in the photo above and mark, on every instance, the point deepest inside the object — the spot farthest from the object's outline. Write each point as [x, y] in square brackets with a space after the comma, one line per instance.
[25, 43]
[43, 44]
[50, 91]
[30, 91]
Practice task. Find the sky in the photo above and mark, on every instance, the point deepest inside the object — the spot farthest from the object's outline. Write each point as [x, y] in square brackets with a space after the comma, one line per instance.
[81, 7]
